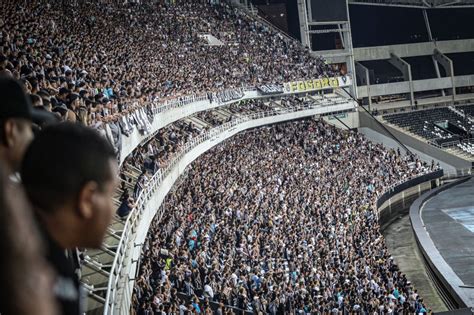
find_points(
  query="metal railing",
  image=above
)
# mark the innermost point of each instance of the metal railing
(210, 99)
(125, 244)
(458, 173)
(406, 183)
(130, 225)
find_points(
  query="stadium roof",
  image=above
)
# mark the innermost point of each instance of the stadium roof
(419, 3)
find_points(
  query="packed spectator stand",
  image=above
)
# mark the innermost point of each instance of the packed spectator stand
(78, 66)
(154, 155)
(221, 246)
(75, 62)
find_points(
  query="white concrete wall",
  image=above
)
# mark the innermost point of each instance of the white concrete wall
(351, 119)
(390, 143)
(411, 50)
(169, 116)
(428, 102)
(418, 86)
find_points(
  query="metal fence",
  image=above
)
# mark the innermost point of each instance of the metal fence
(413, 181)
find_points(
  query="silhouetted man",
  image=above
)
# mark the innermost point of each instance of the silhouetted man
(70, 175)
(25, 278)
(15, 123)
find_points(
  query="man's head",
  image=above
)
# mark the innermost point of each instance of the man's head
(36, 101)
(69, 173)
(63, 93)
(15, 122)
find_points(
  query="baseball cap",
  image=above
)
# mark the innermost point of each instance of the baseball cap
(14, 103)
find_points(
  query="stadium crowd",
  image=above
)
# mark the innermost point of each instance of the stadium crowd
(156, 154)
(97, 62)
(270, 223)
(267, 223)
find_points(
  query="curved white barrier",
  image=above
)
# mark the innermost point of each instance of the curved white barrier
(174, 111)
(121, 281)
(177, 109)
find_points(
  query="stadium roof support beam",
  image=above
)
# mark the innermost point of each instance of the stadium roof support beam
(430, 36)
(412, 50)
(448, 66)
(418, 6)
(304, 27)
(447, 4)
(405, 68)
(423, 4)
(310, 11)
(363, 76)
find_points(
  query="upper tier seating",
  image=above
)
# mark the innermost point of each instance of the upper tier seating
(102, 60)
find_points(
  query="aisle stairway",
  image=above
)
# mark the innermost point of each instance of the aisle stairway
(98, 262)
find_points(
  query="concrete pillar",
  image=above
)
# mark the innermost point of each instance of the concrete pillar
(350, 47)
(310, 12)
(405, 68)
(362, 74)
(448, 67)
(304, 28)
